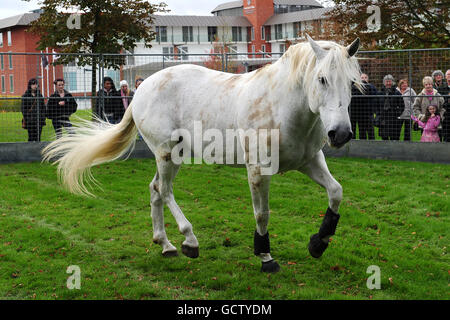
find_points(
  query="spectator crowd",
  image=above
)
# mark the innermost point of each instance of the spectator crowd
(110, 106)
(396, 105)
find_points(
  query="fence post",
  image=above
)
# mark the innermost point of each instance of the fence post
(226, 62)
(223, 61)
(410, 88)
(101, 87)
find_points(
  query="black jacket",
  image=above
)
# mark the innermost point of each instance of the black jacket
(364, 107)
(33, 108)
(112, 105)
(55, 111)
(391, 103)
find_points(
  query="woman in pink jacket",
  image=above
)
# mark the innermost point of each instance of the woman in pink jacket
(430, 125)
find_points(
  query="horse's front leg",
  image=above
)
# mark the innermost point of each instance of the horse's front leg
(259, 188)
(318, 171)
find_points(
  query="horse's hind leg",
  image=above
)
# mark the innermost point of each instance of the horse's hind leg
(259, 188)
(167, 171)
(318, 171)
(159, 231)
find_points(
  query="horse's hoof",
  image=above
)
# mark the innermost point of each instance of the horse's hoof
(189, 251)
(316, 246)
(170, 254)
(270, 267)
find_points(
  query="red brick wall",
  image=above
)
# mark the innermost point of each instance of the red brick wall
(258, 12)
(25, 67)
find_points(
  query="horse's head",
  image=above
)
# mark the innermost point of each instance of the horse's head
(329, 87)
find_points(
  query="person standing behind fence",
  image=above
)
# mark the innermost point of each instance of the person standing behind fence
(408, 98)
(429, 124)
(112, 108)
(125, 94)
(389, 110)
(137, 83)
(362, 109)
(428, 97)
(61, 105)
(33, 111)
(445, 92)
(438, 79)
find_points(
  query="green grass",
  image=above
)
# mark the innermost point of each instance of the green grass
(11, 126)
(394, 215)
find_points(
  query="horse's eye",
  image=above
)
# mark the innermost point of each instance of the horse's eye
(323, 81)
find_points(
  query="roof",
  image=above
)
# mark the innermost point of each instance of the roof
(20, 20)
(305, 15)
(202, 21)
(238, 4)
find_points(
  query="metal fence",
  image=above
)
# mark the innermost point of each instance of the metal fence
(24, 117)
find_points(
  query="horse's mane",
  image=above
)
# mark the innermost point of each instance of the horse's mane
(302, 61)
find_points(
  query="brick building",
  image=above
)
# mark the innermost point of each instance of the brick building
(16, 70)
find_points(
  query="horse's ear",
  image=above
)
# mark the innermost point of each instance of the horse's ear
(353, 48)
(318, 50)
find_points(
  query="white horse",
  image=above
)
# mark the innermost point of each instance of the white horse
(305, 95)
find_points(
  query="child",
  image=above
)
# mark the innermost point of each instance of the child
(430, 125)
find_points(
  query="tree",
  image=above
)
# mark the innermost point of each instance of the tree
(107, 26)
(403, 23)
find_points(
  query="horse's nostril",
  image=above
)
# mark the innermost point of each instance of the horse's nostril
(350, 136)
(332, 134)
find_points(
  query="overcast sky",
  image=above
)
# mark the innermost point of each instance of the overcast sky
(10, 8)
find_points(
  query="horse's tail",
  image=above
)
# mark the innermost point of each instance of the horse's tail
(90, 145)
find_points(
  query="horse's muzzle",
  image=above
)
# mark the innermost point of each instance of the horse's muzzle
(339, 137)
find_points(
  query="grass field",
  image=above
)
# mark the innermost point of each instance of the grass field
(394, 215)
(11, 126)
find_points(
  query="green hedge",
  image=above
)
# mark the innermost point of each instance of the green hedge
(10, 105)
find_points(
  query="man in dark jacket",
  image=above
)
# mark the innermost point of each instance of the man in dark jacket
(363, 108)
(61, 105)
(33, 111)
(109, 103)
(389, 110)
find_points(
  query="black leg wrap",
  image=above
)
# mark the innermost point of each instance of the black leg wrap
(270, 267)
(316, 245)
(329, 224)
(261, 243)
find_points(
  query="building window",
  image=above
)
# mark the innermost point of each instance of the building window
(263, 48)
(184, 53)
(167, 50)
(212, 34)
(10, 61)
(3, 85)
(252, 36)
(278, 31)
(161, 34)
(71, 80)
(188, 34)
(297, 29)
(282, 48)
(9, 38)
(263, 33)
(1, 39)
(11, 83)
(237, 34)
(2, 63)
